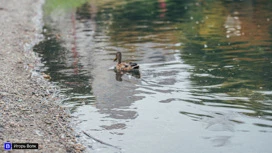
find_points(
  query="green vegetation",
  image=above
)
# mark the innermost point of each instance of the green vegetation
(52, 5)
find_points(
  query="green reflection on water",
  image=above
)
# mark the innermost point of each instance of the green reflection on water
(229, 55)
(237, 61)
(229, 43)
(53, 5)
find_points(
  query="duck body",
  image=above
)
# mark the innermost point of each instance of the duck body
(122, 66)
(127, 66)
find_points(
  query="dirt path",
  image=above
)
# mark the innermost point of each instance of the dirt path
(28, 110)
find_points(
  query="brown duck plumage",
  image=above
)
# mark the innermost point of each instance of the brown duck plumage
(122, 66)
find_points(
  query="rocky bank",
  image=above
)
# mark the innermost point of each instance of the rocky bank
(28, 102)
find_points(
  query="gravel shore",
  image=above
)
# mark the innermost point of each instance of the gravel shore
(28, 109)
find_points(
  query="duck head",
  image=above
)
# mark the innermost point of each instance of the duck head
(118, 57)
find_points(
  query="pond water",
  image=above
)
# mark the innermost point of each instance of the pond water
(205, 76)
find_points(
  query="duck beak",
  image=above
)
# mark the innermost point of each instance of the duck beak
(115, 59)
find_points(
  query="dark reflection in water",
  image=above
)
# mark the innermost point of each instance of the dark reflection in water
(205, 73)
(65, 68)
(119, 74)
(55, 59)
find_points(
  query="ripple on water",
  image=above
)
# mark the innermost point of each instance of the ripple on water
(204, 74)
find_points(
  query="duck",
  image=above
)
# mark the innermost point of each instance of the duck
(122, 66)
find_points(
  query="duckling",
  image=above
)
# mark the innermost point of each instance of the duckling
(122, 66)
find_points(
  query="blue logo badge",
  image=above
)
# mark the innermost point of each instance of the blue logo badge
(7, 145)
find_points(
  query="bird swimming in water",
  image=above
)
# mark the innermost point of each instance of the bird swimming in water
(122, 66)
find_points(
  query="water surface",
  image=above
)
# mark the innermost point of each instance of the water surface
(205, 73)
